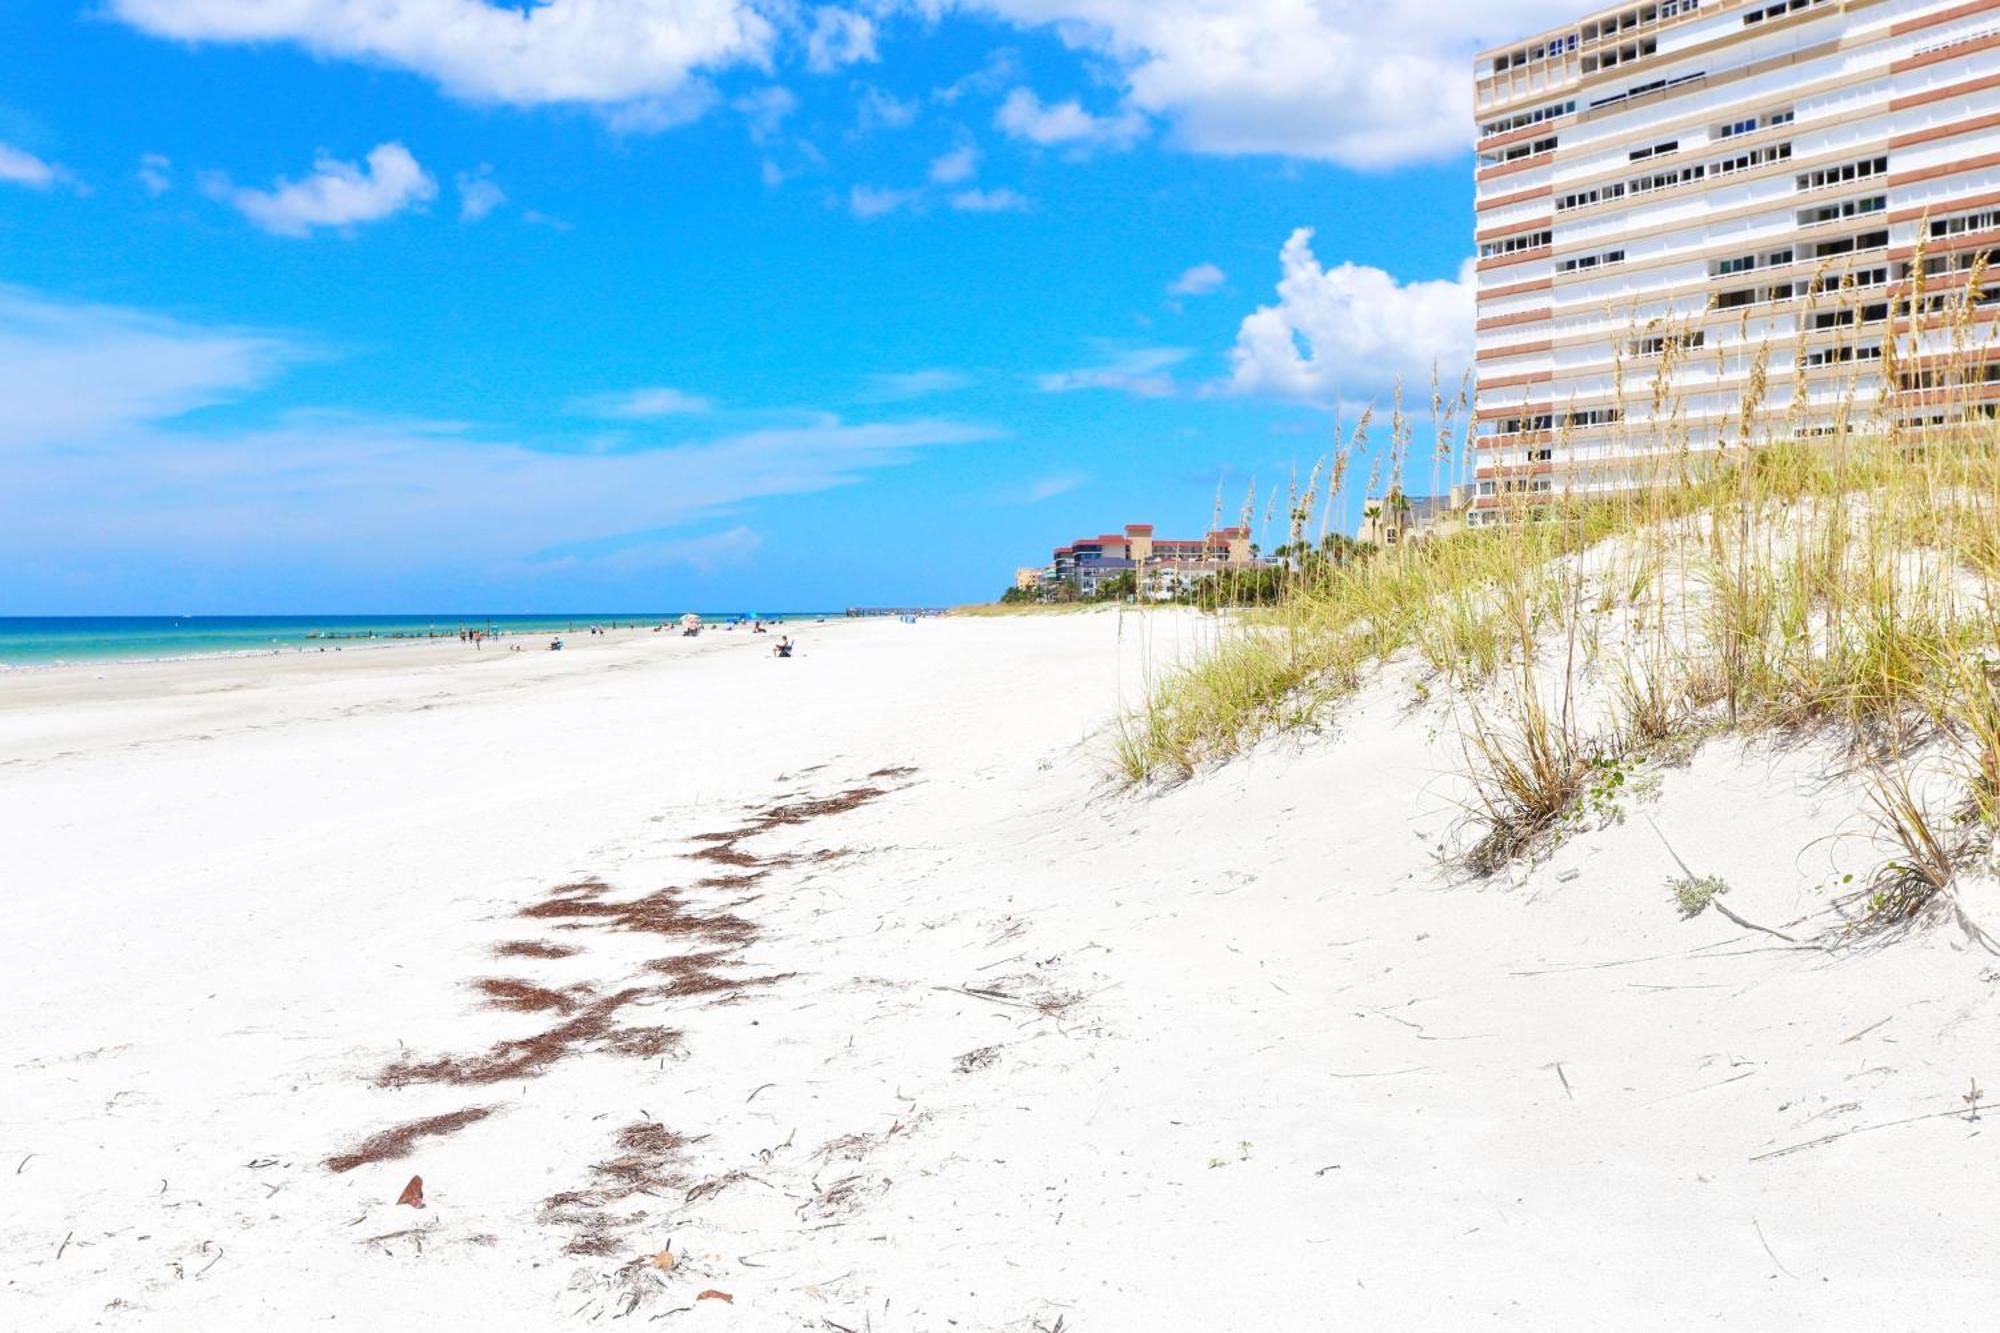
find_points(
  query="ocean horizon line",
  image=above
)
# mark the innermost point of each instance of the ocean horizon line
(30, 641)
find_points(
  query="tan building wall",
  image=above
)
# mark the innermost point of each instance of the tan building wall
(1678, 183)
(1385, 522)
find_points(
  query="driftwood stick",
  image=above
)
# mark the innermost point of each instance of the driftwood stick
(1768, 1250)
(1858, 1129)
(1716, 903)
(993, 995)
(1865, 1031)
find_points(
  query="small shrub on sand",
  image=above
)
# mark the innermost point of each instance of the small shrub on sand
(1692, 893)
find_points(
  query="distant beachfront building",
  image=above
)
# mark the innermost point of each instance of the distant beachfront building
(1740, 190)
(1395, 518)
(1161, 567)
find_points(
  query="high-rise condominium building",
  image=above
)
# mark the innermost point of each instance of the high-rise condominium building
(1737, 190)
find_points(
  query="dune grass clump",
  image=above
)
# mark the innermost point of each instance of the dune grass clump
(1823, 558)
(1927, 855)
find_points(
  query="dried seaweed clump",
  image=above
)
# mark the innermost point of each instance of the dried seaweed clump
(395, 1144)
(594, 1029)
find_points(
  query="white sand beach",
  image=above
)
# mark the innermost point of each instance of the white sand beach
(856, 984)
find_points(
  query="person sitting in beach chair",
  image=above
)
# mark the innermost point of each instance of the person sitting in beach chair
(783, 647)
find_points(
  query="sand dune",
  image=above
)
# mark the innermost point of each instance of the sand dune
(853, 985)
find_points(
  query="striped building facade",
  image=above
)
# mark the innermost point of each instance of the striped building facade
(1735, 189)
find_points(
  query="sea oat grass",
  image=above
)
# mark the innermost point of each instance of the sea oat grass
(1843, 578)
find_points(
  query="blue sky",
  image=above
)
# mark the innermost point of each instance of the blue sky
(404, 305)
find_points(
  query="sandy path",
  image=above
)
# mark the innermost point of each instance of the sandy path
(1018, 1053)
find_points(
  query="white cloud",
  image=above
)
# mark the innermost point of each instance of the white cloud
(337, 194)
(878, 110)
(1002, 200)
(960, 164)
(478, 194)
(764, 110)
(1352, 329)
(1352, 81)
(156, 174)
(70, 372)
(666, 111)
(639, 404)
(640, 552)
(1050, 487)
(1197, 281)
(1002, 67)
(100, 482)
(772, 174)
(838, 37)
(348, 499)
(19, 167)
(1141, 372)
(892, 386)
(1025, 116)
(869, 201)
(594, 51)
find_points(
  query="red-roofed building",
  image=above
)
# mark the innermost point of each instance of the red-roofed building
(1161, 566)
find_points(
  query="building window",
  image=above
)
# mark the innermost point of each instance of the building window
(1771, 13)
(1641, 89)
(1524, 119)
(1620, 55)
(1982, 221)
(1750, 125)
(1591, 416)
(1510, 245)
(1842, 174)
(1834, 356)
(1517, 152)
(1834, 319)
(1867, 240)
(1846, 208)
(1579, 263)
(1660, 343)
(1756, 157)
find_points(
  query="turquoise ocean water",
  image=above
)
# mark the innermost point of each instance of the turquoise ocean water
(40, 640)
